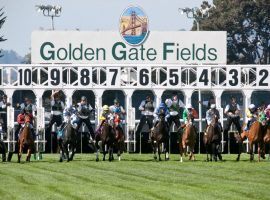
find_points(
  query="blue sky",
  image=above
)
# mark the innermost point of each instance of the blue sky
(86, 15)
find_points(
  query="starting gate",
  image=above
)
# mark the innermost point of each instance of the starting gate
(129, 78)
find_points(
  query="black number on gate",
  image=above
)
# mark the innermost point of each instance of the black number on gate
(115, 71)
(264, 74)
(26, 76)
(85, 79)
(1, 77)
(234, 82)
(204, 77)
(55, 76)
(144, 77)
(173, 79)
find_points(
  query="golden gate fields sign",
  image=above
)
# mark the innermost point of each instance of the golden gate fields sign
(107, 47)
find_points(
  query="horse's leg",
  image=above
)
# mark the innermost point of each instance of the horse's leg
(181, 151)
(104, 151)
(259, 152)
(110, 151)
(166, 150)
(97, 150)
(20, 152)
(159, 152)
(251, 151)
(66, 151)
(154, 149)
(28, 154)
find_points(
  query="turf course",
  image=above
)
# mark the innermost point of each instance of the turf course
(135, 177)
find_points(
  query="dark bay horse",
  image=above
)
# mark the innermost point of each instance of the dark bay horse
(105, 140)
(119, 137)
(212, 139)
(159, 135)
(67, 143)
(188, 139)
(25, 140)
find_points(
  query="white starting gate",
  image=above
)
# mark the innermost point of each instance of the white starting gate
(129, 78)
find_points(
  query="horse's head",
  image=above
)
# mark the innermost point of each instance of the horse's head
(162, 114)
(214, 120)
(190, 118)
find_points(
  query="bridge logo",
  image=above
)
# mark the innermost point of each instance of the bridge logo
(134, 25)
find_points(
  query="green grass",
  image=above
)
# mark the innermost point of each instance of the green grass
(135, 177)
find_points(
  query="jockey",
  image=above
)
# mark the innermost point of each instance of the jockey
(117, 111)
(267, 112)
(174, 104)
(26, 117)
(147, 108)
(251, 114)
(57, 107)
(105, 115)
(28, 103)
(69, 113)
(162, 109)
(210, 115)
(189, 111)
(3, 112)
(84, 111)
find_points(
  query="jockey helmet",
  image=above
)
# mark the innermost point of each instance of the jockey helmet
(213, 106)
(116, 101)
(168, 102)
(162, 105)
(189, 106)
(83, 98)
(105, 107)
(268, 107)
(251, 106)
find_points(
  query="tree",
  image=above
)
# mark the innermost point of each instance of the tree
(247, 23)
(2, 21)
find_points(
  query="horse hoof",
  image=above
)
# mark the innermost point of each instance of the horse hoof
(60, 160)
(97, 159)
(155, 157)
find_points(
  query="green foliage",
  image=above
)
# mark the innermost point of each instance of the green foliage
(247, 23)
(135, 177)
(2, 21)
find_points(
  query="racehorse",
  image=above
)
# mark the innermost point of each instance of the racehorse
(212, 140)
(25, 140)
(119, 136)
(188, 139)
(105, 140)
(255, 136)
(67, 142)
(159, 135)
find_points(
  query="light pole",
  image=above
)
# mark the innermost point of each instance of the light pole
(50, 11)
(197, 13)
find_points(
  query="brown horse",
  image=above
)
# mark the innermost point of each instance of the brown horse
(159, 135)
(255, 136)
(212, 139)
(119, 136)
(25, 140)
(188, 139)
(105, 140)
